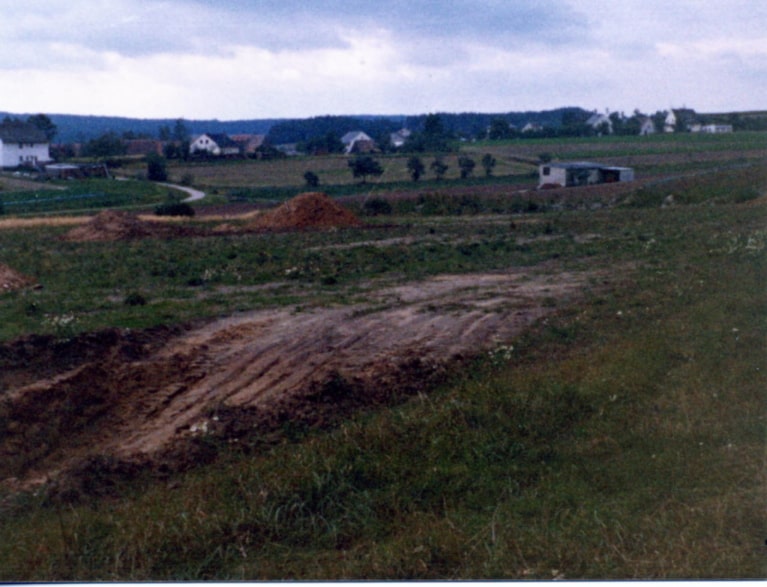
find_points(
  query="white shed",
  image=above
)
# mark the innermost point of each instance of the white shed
(579, 173)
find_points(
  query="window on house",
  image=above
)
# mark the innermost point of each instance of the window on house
(547, 171)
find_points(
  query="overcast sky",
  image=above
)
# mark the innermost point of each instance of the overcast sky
(241, 59)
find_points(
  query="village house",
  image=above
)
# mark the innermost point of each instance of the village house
(358, 142)
(580, 173)
(22, 143)
(600, 123)
(669, 125)
(715, 128)
(532, 127)
(216, 144)
(249, 144)
(646, 126)
(399, 138)
(142, 147)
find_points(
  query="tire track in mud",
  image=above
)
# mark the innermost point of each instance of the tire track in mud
(270, 365)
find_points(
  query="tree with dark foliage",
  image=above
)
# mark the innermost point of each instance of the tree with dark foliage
(364, 165)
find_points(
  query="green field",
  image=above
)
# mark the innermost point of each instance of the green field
(620, 438)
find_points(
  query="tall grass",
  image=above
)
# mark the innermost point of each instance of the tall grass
(621, 439)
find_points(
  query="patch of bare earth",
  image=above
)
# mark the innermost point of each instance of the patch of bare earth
(11, 279)
(113, 225)
(146, 400)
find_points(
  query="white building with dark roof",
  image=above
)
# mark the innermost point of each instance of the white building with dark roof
(358, 142)
(579, 173)
(216, 144)
(22, 143)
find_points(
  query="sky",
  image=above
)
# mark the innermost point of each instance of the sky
(246, 59)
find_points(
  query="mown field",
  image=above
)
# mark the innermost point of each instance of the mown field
(621, 438)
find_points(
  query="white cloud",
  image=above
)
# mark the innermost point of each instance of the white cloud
(272, 58)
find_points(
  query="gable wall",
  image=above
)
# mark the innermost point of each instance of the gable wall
(14, 154)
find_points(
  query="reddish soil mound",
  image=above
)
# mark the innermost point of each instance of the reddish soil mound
(111, 225)
(11, 280)
(310, 210)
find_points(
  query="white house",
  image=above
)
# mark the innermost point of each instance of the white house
(669, 125)
(646, 126)
(578, 173)
(399, 138)
(358, 142)
(532, 127)
(601, 123)
(22, 143)
(219, 145)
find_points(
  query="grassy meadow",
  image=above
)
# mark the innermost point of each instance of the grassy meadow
(621, 438)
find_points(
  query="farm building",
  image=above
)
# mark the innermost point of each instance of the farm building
(22, 143)
(715, 128)
(577, 173)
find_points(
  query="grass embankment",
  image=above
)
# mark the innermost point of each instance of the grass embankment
(623, 438)
(63, 197)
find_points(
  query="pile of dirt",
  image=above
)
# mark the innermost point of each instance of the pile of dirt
(109, 225)
(309, 210)
(112, 225)
(12, 280)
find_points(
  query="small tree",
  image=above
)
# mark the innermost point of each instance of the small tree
(439, 167)
(364, 165)
(467, 165)
(312, 179)
(488, 162)
(415, 167)
(107, 145)
(45, 124)
(156, 169)
(499, 130)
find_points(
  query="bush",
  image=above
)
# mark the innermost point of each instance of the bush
(376, 206)
(156, 169)
(312, 179)
(174, 209)
(134, 299)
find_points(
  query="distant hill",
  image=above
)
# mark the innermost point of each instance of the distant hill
(74, 128)
(464, 124)
(77, 129)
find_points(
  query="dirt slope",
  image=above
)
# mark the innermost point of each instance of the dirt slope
(139, 400)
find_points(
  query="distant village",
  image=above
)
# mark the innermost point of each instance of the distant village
(31, 143)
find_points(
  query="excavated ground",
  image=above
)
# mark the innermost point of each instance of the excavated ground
(127, 401)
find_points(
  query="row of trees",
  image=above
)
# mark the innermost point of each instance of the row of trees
(365, 166)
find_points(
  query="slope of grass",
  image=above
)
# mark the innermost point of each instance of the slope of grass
(623, 438)
(78, 195)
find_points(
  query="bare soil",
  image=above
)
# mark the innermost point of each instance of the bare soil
(309, 210)
(11, 280)
(156, 400)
